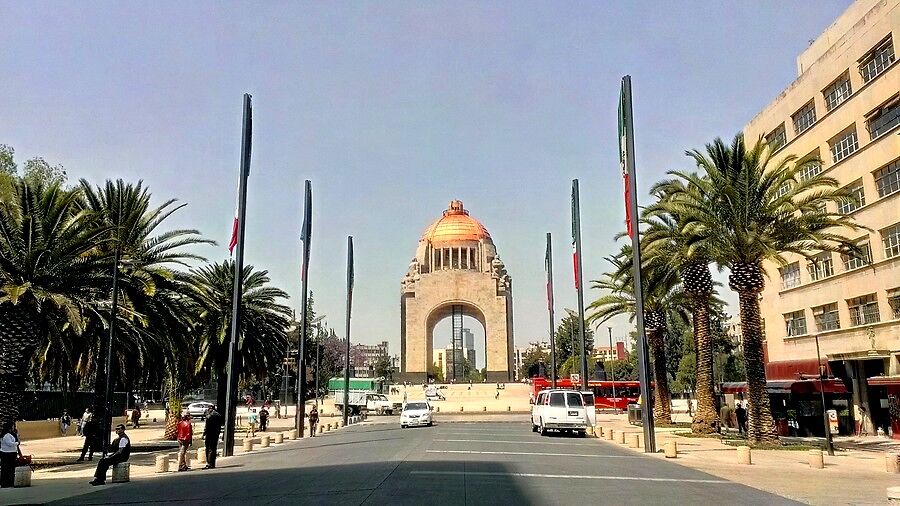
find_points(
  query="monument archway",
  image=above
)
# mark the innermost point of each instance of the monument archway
(456, 271)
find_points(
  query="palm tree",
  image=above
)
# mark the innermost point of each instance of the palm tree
(49, 264)
(748, 208)
(264, 322)
(669, 240)
(662, 297)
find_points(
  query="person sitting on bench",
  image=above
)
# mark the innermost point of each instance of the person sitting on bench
(123, 450)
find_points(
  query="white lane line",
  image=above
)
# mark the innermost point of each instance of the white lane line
(568, 476)
(506, 434)
(505, 442)
(544, 454)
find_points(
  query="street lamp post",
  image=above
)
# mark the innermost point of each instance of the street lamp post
(107, 415)
(829, 444)
(612, 370)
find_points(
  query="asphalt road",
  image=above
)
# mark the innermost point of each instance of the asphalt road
(450, 463)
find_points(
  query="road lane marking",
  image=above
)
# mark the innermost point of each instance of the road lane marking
(479, 434)
(507, 442)
(569, 476)
(544, 454)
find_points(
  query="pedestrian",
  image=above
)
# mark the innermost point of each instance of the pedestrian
(211, 430)
(313, 420)
(89, 430)
(185, 433)
(263, 419)
(122, 444)
(277, 408)
(84, 419)
(725, 417)
(252, 419)
(136, 417)
(64, 422)
(9, 453)
(741, 415)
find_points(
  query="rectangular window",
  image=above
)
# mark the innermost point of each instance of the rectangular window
(837, 92)
(809, 170)
(783, 189)
(891, 239)
(863, 310)
(805, 117)
(884, 119)
(861, 260)
(827, 317)
(877, 60)
(857, 198)
(777, 138)
(893, 297)
(795, 323)
(887, 178)
(844, 145)
(790, 275)
(821, 266)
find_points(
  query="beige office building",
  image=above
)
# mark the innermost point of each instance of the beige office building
(844, 108)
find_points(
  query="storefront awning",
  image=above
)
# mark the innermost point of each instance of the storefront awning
(805, 386)
(880, 381)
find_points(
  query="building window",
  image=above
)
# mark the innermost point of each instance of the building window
(891, 238)
(859, 260)
(844, 145)
(893, 297)
(805, 117)
(827, 317)
(863, 310)
(795, 323)
(877, 60)
(884, 118)
(857, 198)
(777, 138)
(887, 178)
(783, 189)
(809, 170)
(790, 275)
(837, 92)
(821, 266)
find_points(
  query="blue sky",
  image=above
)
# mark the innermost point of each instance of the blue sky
(391, 109)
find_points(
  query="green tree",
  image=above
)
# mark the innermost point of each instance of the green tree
(37, 170)
(534, 354)
(383, 367)
(568, 343)
(7, 160)
(747, 208)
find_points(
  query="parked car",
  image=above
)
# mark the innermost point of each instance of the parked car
(198, 409)
(561, 410)
(360, 401)
(416, 413)
(536, 407)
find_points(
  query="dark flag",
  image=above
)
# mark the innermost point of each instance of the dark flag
(623, 161)
(306, 230)
(575, 224)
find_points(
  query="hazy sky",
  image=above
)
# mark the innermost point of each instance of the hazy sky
(391, 109)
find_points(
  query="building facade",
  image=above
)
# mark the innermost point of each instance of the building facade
(844, 109)
(445, 363)
(365, 356)
(606, 354)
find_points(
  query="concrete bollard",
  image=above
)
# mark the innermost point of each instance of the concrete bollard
(892, 462)
(461, 409)
(608, 434)
(483, 408)
(201, 455)
(321, 429)
(589, 431)
(294, 433)
(620, 437)
(816, 459)
(162, 463)
(279, 438)
(437, 409)
(634, 441)
(671, 449)
(121, 472)
(508, 408)
(328, 428)
(248, 445)
(23, 477)
(743, 455)
(264, 441)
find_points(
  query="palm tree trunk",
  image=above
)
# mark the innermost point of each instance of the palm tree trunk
(174, 395)
(705, 419)
(662, 408)
(19, 335)
(760, 424)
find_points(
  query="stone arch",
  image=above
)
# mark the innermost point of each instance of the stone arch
(444, 310)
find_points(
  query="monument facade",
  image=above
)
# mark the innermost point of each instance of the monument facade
(456, 272)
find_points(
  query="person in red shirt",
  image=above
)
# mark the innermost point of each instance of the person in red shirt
(185, 438)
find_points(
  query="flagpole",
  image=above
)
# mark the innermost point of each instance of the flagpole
(549, 264)
(349, 306)
(627, 125)
(306, 232)
(233, 358)
(579, 284)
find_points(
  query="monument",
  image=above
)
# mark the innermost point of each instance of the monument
(456, 272)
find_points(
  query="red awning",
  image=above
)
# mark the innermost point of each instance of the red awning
(881, 381)
(808, 386)
(795, 369)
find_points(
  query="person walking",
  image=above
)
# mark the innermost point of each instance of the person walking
(263, 419)
(90, 433)
(252, 420)
(64, 422)
(185, 432)
(122, 444)
(741, 415)
(136, 417)
(313, 420)
(86, 417)
(9, 453)
(211, 431)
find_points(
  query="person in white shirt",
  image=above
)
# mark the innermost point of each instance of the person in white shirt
(122, 445)
(9, 452)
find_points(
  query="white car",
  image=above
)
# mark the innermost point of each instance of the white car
(416, 413)
(561, 410)
(198, 409)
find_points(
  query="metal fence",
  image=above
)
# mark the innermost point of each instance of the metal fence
(43, 405)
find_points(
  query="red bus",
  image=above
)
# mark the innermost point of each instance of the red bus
(627, 392)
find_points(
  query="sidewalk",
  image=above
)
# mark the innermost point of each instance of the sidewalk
(852, 476)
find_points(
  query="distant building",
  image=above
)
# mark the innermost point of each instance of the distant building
(364, 357)
(468, 339)
(734, 333)
(605, 353)
(443, 361)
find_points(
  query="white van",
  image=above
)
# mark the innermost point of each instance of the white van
(561, 410)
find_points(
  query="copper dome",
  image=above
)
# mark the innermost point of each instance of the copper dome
(454, 226)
